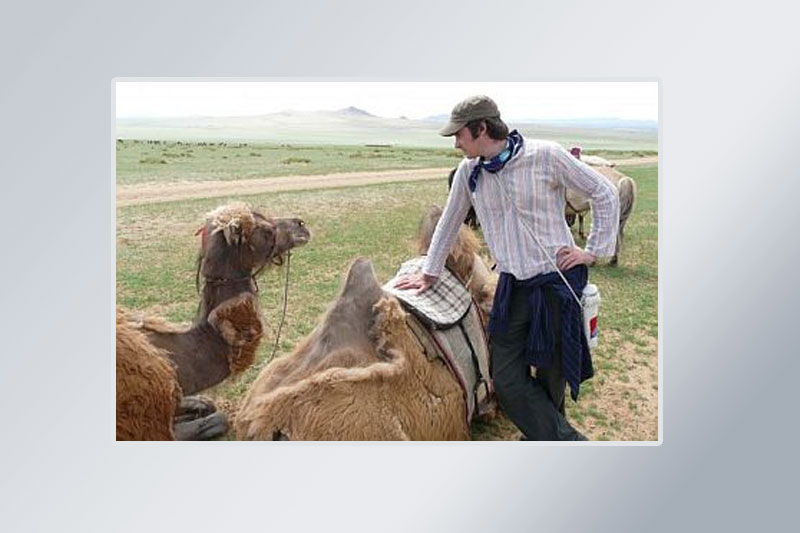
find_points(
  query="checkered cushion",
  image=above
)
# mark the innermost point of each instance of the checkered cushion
(442, 305)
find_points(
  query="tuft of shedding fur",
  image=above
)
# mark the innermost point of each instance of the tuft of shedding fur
(239, 323)
(147, 387)
(234, 220)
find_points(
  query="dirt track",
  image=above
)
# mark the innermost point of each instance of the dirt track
(151, 193)
(168, 192)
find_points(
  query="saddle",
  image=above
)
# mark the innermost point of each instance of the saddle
(446, 321)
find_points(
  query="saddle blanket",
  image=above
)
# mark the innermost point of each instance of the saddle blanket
(448, 326)
(442, 306)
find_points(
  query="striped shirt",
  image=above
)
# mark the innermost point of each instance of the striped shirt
(535, 180)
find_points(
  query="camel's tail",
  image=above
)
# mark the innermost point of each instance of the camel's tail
(627, 198)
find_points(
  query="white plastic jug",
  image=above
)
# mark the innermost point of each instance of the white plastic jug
(591, 309)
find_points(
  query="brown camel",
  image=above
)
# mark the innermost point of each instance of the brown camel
(578, 203)
(159, 365)
(362, 374)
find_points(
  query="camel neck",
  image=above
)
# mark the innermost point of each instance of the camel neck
(215, 292)
(200, 356)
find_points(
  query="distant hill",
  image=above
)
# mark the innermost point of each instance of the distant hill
(354, 112)
(352, 125)
(437, 118)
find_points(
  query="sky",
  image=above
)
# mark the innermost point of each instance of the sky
(414, 100)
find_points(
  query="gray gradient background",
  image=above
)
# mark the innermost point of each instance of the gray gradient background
(729, 185)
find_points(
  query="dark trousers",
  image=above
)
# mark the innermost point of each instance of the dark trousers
(534, 404)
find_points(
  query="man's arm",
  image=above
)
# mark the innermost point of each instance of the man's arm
(605, 201)
(458, 204)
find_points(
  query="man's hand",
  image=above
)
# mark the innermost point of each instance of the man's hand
(567, 258)
(421, 282)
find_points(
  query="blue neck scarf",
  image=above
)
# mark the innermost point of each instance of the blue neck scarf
(513, 146)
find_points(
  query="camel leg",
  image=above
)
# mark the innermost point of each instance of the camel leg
(613, 261)
(280, 435)
(194, 407)
(580, 226)
(206, 428)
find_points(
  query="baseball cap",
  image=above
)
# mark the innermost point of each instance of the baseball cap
(472, 108)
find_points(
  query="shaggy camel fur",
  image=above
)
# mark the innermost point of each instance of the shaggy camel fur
(362, 374)
(237, 244)
(147, 387)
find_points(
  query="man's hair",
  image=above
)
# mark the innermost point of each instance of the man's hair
(495, 128)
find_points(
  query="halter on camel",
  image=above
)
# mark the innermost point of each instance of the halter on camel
(203, 232)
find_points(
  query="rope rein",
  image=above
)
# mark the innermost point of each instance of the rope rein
(283, 314)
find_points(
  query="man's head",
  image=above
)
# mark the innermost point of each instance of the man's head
(476, 125)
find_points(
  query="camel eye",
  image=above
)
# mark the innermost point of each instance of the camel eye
(301, 223)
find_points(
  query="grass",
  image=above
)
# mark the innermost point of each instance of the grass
(140, 161)
(176, 161)
(156, 252)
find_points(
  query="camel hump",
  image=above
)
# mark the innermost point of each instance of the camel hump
(361, 282)
(350, 315)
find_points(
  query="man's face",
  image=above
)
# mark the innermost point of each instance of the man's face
(465, 143)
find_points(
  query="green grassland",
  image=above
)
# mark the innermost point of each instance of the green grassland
(156, 252)
(174, 161)
(141, 161)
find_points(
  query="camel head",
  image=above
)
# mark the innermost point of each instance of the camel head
(238, 241)
(463, 260)
(466, 246)
(289, 233)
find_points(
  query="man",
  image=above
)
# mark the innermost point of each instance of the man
(517, 187)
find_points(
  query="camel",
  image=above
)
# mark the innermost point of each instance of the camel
(160, 365)
(578, 203)
(362, 374)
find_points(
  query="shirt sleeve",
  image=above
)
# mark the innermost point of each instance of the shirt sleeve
(605, 201)
(458, 204)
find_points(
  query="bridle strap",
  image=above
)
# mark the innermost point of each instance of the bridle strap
(283, 314)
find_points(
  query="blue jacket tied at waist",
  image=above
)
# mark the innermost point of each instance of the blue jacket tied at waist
(576, 358)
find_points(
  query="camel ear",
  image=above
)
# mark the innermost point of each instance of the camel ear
(262, 241)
